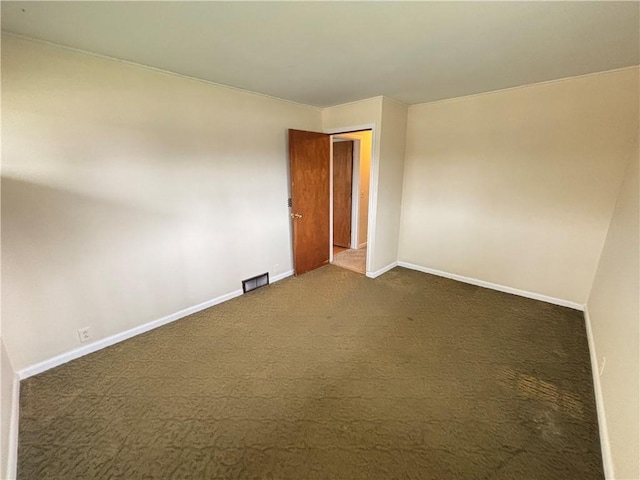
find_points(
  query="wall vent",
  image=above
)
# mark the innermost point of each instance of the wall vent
(255, 282)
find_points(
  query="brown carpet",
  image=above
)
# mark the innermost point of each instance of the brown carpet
(330, 375)
(355, 260)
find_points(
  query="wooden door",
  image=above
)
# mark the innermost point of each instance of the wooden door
(342, 183)
(309, 155)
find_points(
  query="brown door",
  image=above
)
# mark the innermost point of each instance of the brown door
(309, 164)
(342, 181)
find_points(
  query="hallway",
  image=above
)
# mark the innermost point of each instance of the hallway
(354, 260)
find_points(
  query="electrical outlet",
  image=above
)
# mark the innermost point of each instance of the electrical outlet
(84, 334)
(276, 268)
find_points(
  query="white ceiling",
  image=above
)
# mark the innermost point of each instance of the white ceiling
(328, 53)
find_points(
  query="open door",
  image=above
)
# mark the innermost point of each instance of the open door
(342, 186)
(309, 156)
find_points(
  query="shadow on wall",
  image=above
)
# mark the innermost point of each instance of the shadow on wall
(70, 261)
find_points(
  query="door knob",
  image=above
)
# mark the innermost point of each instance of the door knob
(296, 215)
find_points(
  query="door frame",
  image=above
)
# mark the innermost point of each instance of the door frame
(373, 191)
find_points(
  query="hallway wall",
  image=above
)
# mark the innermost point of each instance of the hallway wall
(365, 139)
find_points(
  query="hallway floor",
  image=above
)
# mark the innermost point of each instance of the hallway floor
(354, 260)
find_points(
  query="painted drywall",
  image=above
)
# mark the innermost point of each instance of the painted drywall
(390, 180)
(7, 443)
(350, 116)
(365, 140)
(360, 114)
(614, 312)
(130, 194)
(517, 187)
(363, 188)
(388, 118)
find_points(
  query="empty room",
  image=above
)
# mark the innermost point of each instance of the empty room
(320, 240)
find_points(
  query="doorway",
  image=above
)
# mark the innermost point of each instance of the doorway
(311, 196)
(351, 164)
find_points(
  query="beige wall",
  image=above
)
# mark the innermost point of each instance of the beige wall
(392, 154)
(355, 114)
(614, 312)
(389, 120)
(365, 179)
(7, 456)
(129, 194)
(358, 114)
(517, 187)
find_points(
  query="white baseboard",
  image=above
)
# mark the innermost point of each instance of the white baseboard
(377, 273)
(119, 337)
(494, 286)
(605, 446)
(12, 448)
(280, 276)
(362, 245)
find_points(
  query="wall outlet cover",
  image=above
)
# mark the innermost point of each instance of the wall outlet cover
(84, 334)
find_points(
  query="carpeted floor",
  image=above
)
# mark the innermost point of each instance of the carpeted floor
(330, 375)
(352, 259)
